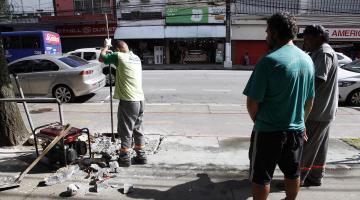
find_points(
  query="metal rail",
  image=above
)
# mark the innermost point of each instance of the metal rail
(38, 100)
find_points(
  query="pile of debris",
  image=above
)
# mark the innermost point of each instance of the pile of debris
(99, 168)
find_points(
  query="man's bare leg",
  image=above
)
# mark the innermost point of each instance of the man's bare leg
(260, 192)
(292, 187)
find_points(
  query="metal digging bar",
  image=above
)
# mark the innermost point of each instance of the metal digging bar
(38, 100)
(110, 85)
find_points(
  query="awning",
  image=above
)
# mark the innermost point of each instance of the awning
(161, 32)
(195, 31)
(139, 32)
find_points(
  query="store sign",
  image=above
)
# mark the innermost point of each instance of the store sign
(51, 38)
(344, 33)
(341, 33)
(85, 30)
(199, 15)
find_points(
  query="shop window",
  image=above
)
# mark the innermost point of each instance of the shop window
(92, 6)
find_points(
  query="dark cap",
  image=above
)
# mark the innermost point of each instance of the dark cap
(315, 30)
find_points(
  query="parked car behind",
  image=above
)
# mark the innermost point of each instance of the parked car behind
(62, 77)
(92, 55)
(349, 83)
(343, 59)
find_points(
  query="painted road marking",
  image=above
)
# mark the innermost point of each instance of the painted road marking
(168, 89)
(213, 90)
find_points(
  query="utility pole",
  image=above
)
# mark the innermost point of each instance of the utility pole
(228, 62)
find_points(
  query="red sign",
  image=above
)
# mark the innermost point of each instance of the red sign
(341, 33)
(51, 38)
(344, 32)
(85, 30)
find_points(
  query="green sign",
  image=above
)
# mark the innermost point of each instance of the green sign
(199, 15)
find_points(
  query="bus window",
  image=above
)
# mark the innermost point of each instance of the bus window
(30, 42)
(12, 42)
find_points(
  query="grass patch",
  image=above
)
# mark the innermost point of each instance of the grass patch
(355, 142)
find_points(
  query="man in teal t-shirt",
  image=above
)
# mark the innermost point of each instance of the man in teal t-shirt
(128, 89)
(279, 94)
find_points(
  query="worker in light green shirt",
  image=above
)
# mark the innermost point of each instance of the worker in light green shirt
(128, 89)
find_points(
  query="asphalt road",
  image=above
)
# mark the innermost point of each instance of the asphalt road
(186, 87)
(191, 103)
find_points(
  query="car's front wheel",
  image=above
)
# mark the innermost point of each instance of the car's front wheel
(354, 98)
(64, 94)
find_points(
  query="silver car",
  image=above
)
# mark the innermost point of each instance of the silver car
(92, 55)
(343, 59)
(62, 77)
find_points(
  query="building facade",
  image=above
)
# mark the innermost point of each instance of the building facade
(81, 23)
(173, 32)
(340, 17)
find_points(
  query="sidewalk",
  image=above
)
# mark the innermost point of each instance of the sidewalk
(186, 168)
(202, 163)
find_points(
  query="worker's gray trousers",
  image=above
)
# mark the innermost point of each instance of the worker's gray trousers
(130, 118)
(315, 150)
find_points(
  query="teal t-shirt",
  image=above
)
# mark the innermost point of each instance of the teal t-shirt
(282, 82)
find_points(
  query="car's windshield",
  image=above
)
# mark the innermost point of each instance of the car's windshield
(73, 61)
(353, 66)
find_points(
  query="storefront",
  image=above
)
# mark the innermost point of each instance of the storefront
(145, 41)
(248, 42)
(195, 44)
(195, 35)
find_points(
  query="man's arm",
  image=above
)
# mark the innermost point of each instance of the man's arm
(252, 107)
(318, 83)
(308, 107)
(103, 53)
(323, 65)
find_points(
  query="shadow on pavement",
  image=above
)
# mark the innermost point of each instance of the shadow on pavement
(347, 160)
(21, 162)
(84, 98)
(202, 188)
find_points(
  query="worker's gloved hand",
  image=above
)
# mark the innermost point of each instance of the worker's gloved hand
(107, 43)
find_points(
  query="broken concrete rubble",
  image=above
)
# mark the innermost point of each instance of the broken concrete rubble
(101, 167)
(72, 189)
(61, 175)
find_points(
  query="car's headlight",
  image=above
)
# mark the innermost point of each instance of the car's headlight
(346, 83)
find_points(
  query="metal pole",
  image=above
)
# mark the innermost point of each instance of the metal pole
(24, 103)
(110, 86)
(61, 113)
(228, 62)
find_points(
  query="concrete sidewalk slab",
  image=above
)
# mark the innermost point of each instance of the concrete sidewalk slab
(189, 168)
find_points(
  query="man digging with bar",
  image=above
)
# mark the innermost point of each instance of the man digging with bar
(128, 89)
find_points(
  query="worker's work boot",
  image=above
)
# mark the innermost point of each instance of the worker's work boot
(124, 159)
(140, 157)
